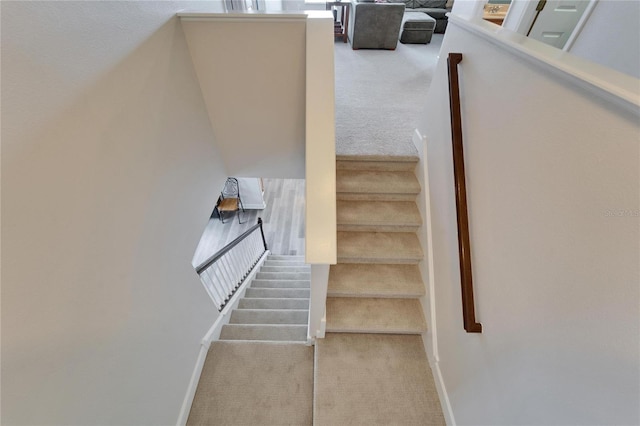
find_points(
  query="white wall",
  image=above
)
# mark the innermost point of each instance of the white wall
(109, 174)
(611, 36)
(468, 8)
(254, 91)
(553, 179)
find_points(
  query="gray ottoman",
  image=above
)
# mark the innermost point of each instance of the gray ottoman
(417, 28)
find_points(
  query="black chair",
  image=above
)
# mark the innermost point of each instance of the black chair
(230, 200)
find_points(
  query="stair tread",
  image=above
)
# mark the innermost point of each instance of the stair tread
(379, 158)
(269, 316)
(284, 263)
(274, 303)
(378, 247)
(379, 164)
(377, 182)
(375, 315)
(353, 212)
(283, 275)
(375, 280)
(285, 268)
(280, 293)
(280, 284)
(270, 332)
(285, 257)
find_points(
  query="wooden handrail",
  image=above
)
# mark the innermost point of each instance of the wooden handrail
(464, 246)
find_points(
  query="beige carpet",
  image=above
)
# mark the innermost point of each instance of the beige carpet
(374, 379)
(255, 384)
(380, 97)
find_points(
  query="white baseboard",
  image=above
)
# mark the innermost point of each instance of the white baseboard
(212, 335)
(429, 339)
(443, 395)
(193, 385)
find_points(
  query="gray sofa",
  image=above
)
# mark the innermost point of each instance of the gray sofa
(377, 25)
(437, 9)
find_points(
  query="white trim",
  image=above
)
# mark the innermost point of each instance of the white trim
(428, 276)
(212, 335)
(613, 86)
(320, 146)
(447, 410)
(317, 302)
(580, 25)
(193, 385)
(248, 16)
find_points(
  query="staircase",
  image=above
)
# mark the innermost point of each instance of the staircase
(275, 307)
(376, 285)
(371, 368)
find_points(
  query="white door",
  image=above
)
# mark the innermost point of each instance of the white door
(557, 20)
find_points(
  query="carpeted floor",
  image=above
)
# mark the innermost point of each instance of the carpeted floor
(379, 94)
(255, 384)
(374, 379)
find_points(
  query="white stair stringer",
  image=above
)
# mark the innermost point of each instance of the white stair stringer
(275, 306)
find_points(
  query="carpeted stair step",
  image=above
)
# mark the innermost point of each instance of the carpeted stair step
(283, 275)
(381, 164)
(265, 333)
(377, 280)
(254, 383)
(278, 293)
(375, 315)
(273, 303)
(376, 216)
(375, 185)
(378, 247)
(280, 284)
(269, 268)
(374, 379)
(269, 316)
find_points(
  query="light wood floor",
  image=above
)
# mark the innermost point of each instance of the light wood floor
(283, 222)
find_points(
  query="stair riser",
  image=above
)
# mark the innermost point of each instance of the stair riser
(358, 196)
(283, 263)
(378, 294)
(381, 166)
(273, 303)
(285, 333)
(283, 276)
(378, 228)
(285, 258)
(373, 315)
(358, 280)
(378, 247)
(286, 269)
(376, 260)
(243, 316)
(377, 182)
(280, 284)
(267, 293)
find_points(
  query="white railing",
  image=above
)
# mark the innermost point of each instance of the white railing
(223, 273)
(321, 233)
